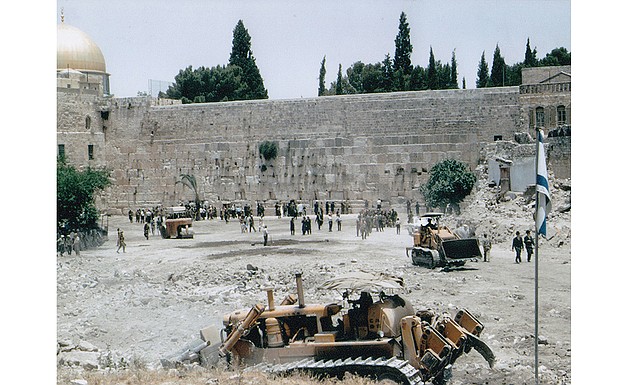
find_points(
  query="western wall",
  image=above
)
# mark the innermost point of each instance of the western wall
(356, 147)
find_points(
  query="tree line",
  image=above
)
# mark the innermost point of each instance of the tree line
(240, 79)
(398, 73)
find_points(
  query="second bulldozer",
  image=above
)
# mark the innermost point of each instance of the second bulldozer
(435, 245)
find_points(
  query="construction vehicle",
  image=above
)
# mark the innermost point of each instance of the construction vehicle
(435, 245)
(177, 224)
(382, 338)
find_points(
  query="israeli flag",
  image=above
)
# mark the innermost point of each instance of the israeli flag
(542, 188)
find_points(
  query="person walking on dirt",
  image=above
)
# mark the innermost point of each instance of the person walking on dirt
(486, 246)
(121, 241)
(528, 241)
(292, 225)
(339, 222)
(265, 236)
(146, 230)
(330, 221)
(517, 245)
(397, 226)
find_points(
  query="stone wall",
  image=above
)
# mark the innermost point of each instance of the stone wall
(356, 147)
(345, 147)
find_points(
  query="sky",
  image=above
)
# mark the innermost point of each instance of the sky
(154, 39)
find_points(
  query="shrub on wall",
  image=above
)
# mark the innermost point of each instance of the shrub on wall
(268, 150)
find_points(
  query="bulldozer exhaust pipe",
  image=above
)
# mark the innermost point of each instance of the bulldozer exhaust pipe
(300, 290)
(270, 302)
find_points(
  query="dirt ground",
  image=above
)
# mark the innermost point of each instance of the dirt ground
(145, 304)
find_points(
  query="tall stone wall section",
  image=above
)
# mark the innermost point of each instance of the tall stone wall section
(340, 147)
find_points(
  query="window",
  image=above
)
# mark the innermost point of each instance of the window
(88, 122)
(90, 152)
(540, 117)
(61, 150)
(561, 115)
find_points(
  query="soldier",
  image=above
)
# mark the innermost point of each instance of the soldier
(529, 244)
(121, 241)
(486, 246)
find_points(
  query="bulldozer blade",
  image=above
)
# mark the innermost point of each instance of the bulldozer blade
(462, 248)
(209, 356)
(482, 348)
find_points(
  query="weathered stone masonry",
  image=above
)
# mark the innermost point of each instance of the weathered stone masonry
(340, 147)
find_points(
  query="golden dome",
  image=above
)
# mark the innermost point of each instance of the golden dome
(76, 50)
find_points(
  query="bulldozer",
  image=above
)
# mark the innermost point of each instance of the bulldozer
(436, 245)
(373, 333)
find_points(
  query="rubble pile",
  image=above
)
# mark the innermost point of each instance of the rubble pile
(500, 216)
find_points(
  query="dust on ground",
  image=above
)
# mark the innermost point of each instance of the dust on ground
(147, 303)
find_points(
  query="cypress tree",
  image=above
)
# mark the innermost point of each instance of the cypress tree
(483, 73)
(432, 72)
(454, 83)
(322, 72)
(498, 69)
(530, 56)
(402, 54)
(387, 81)
(339, 80)
(241, 55)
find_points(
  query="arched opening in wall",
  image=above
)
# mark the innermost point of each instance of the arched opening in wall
(87, 123)
(561, 115)
(540, 117)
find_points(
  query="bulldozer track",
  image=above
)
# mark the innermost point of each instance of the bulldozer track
(378, 368)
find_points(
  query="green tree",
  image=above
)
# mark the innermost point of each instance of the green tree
(498, 69)
(454, 83)
(433, 79)
(483, 73)
(268, 150)
(387, 79)
(241, 55)
(418, 80)
(322, 72)
(402, 54)
(190, 182)
(339, 80)
(450, 181)
(557, 57)
(75, 196)
(530, 56)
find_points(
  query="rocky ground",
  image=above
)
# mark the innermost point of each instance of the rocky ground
(122, 310)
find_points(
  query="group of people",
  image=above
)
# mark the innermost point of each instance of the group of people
(518, 243)
(75, 241)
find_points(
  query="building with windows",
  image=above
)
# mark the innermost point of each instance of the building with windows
(545, 96)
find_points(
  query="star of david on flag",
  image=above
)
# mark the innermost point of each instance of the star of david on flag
(542, 188)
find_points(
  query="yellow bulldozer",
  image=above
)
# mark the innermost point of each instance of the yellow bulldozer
(372, 333)
(436, 245)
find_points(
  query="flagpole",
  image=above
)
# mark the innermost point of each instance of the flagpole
(536, 264)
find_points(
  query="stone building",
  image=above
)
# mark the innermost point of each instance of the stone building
(353, 147)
